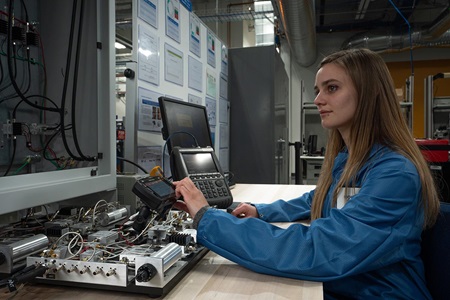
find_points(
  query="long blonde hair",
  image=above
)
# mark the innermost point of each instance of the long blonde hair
(378, 119)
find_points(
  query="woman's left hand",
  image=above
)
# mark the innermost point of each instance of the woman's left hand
(192, 196)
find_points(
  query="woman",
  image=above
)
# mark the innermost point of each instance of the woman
(374, 197)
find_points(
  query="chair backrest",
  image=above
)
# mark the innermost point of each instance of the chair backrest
(436, 255)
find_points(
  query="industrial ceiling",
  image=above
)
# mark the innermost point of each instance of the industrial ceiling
(376, 24)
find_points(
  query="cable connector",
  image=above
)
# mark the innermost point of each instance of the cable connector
(17, 128)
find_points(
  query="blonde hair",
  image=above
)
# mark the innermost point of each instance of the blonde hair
(378, 120)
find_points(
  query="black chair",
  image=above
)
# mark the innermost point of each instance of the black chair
(436, 255)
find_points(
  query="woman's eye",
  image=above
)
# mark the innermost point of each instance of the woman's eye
(332, 88)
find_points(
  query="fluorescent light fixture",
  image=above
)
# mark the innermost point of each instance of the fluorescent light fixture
(119, 46)
(362, 9)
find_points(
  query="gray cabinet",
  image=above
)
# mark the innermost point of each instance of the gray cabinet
(258, 95)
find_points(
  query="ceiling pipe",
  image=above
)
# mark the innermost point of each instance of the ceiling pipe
(440, 27)
(298, 19)
(436, 35)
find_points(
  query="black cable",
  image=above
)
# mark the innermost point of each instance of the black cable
(10, 67)
(29, 71)
(66, 81)
(183, 132)
(47, 144)
(13, 156)
(25, 275)
(1, 71)
(8, 84)
(15, 60)
(16, 55)
(26, 11)
(32, 96)
(43, 97)
(168, 140)
(133, 163)
(74, 86)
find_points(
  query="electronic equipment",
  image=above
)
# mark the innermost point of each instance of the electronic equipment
(184, 124)
(203, 167)
(15, 250)
(156, 192)
(109, 217)
(125, 195)
(110, 254)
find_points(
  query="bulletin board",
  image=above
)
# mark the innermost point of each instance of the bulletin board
(179, 57)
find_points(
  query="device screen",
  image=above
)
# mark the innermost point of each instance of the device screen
(160, 188)
(197, 163)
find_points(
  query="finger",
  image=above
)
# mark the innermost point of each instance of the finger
(240, 204)
(180, 205)
(239, 212)
(189, 184)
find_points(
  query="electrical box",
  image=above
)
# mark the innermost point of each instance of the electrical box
(57, 131)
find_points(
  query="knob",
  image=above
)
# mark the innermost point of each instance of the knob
(145, 273)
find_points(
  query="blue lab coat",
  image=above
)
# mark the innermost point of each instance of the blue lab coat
(369, 248)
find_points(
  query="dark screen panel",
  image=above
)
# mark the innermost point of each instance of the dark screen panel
(180, 119)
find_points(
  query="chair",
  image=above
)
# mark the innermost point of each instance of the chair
(436, 255)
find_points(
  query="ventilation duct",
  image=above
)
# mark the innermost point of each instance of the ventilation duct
(298, 19)
(438, 34)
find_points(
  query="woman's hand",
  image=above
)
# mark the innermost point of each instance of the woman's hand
(245, 210)
(193, 197)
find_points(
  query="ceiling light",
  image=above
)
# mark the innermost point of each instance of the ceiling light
(119, 46)
(362, 9)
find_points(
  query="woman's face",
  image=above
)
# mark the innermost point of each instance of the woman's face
(336, 98)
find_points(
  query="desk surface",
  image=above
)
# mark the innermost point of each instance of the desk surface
(310, 157)
(213, 277)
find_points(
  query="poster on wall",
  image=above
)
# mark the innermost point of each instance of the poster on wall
(195, 36)
(224, 61)
(224, 136)
(211, 110)
(211, 84)
(223, 87)
(173, 19)
(223, 111)
(194, 99)
(149, 113)
(195, 74)
(148, 55)
(187, 4)
(173, 64)
(213, 133)
(211, 51)
(149, 157)
(148, 12)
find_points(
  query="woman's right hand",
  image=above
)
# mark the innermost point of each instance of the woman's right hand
(245, 210)
(192, 196)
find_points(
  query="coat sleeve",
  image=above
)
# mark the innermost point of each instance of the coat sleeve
(287, 211)
(378, 226)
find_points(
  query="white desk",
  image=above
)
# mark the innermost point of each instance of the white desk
(226, 280)
(213, 277)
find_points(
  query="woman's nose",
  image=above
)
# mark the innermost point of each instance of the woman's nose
(318, 99)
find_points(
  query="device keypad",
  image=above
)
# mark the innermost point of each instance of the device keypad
(211, 185)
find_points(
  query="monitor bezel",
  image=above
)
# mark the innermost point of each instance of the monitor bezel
(167, 129)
